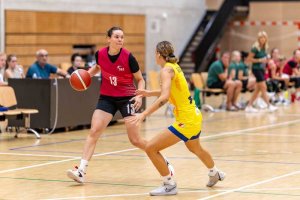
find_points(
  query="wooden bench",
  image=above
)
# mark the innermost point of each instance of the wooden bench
(17, 117)
(199, 81)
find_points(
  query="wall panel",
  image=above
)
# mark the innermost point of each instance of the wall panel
(58, 32)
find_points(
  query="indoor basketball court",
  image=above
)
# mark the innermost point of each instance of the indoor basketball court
(259, 154)
(259, 151)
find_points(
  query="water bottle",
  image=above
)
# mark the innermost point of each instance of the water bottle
(34, 76)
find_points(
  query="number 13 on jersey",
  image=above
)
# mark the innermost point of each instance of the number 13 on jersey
(113, 80)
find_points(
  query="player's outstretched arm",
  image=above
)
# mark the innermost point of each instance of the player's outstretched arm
(148, 93)
(166, 77)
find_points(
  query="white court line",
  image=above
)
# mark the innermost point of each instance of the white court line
(37, 155)
(223, 191)
(54, 162)
(292, 115)
(126, 195)
(273, 189)
(238, 132)
(276, 135)
(180, 192)
(250, 185)
(262, 151)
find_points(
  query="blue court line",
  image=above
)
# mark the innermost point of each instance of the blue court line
(75, 140)
(186, 158)
(62, 142)
(195, 158)
(46, 144)
(256, 161)
(111, 135)
(50, 151)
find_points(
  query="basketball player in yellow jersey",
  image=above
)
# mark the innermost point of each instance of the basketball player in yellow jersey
(187, 126)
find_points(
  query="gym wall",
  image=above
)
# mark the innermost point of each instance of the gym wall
(58, 32)
(278, 19)
(164, 20)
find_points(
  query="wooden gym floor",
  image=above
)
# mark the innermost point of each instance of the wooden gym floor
(259, 152)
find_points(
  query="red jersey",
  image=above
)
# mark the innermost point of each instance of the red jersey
(288, 67)
(117, 79)
(269, 71)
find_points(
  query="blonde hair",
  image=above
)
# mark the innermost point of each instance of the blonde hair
(257, 44)
(234, 54)
(166, 50)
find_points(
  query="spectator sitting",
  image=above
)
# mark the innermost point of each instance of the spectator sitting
(291, 71)
(217, 78)
(2, 68)
(41, 68)
(76, 60)
(13, 70)
(238, 70)
(275, 82)
(90, 59)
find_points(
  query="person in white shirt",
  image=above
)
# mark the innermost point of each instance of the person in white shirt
(2, 68)
(13, 70)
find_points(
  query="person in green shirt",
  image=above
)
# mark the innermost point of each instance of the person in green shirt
(238, 70)
(258, 58)
(218, 78)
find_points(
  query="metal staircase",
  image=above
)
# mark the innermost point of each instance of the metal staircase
(186, 60)
(200, 50)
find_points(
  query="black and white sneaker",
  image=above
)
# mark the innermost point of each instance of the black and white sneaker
(213, 179)
(76, 174)
(164, 190)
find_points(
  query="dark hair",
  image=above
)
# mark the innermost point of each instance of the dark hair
(112, 29)
(272, 51)
(166, 50)
(294, 52)
(9, 57)
(225, 52)
(74, 56)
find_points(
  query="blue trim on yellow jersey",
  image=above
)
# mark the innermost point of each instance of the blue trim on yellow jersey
(196, 136)
(181, 136)
(178, 134)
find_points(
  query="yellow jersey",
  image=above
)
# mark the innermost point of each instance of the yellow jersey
(185, 110)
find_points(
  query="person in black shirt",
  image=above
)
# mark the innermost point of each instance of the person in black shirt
(76, 61)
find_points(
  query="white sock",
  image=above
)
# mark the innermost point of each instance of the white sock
(212, 171)
(281, 98)
(83, 165)
(169, 180)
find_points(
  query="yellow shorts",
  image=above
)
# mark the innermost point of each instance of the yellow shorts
(187, 131)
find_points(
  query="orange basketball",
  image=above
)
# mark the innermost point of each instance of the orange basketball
(80, 80)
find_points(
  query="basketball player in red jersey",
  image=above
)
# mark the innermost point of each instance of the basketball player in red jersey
(118, 69)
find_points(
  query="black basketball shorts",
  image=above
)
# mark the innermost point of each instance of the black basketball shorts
(113, 104)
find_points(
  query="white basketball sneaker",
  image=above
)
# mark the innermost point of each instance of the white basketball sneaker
(164, 190)
(213, 179)
(250, 109)
(76, 175)
(272, 108)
